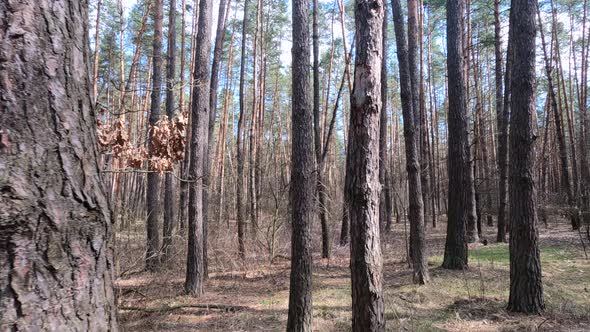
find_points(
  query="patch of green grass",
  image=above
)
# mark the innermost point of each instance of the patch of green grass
(498, 253)
(269, 302)
(495, 253)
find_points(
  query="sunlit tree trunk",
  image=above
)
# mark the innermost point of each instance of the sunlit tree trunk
(56, 256)
(153, 178)
(302, 177)
(199, 139)
(416, 205)
(362, 165)
(170, 87)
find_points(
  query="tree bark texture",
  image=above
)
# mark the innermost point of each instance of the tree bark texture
(526, 289)
(362, 167)
(459, 167)
(55, 222)
(152, 258)
(416, 203)
(199, 137)
(303, 180)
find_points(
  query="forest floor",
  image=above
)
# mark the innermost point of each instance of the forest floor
(256, 292)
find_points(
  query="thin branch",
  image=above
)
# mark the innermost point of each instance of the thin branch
(131, 170)
(224, 307)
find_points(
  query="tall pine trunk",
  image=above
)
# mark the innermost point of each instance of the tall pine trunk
(195, 269)
(302, 177)
(412, 140)
(526, 289)
(362, 161)
(459, 166)
(56, 259)
(152, 258)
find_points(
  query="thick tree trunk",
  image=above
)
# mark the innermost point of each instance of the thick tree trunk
(152, 258)
(199, 140)
(413, 58)
(302, 175)
(526, 289)
(56, 256)
(459, 166)
(416, 204)
(170, 77)
(362, 165)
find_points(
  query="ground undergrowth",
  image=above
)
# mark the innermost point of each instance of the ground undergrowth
(253, 295)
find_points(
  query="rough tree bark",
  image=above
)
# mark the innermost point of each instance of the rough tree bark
(458, 143)
(416, 204)
(362, 167)
(526, 289)
(56, 258)
(413, 68)
(152, 257)
(199, 137)
(302, 175)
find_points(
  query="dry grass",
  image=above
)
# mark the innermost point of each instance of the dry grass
(472, 300)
